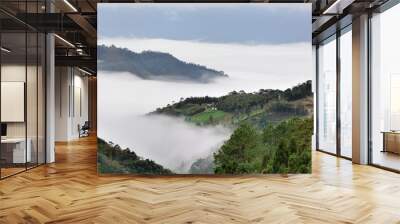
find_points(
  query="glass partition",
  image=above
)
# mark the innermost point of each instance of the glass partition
(31, 99)
(327, 95)
(22, 101)
(14, 155)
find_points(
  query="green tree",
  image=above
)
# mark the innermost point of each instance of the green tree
(281, 159)
(113, 159)
(233, 152)
(211, 119)
(292, 146)
(268, 134)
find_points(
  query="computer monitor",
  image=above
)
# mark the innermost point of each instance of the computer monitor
(3, 129)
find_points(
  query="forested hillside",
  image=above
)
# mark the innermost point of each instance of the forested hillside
(113, 159)
(258, 109)
(282, 148)
(272, 130)
(153, 65)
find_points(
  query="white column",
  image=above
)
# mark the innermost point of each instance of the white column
(50, 99)
(360, 89)
(62, 103)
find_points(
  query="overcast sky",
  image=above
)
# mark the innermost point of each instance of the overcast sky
(254, 23)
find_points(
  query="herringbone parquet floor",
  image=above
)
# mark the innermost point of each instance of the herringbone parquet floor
(70, 191)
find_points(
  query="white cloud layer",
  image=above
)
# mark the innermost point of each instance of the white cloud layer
(277, 66)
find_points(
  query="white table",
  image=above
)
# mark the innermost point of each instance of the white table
(19, 153)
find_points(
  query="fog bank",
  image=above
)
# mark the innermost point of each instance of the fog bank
(168, 141)
(278, 66)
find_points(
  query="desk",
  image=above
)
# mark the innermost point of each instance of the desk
(13, 150)
(391, 141)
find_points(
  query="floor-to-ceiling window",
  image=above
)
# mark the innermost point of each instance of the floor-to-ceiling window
(385, 89)
(334, 95)
(327, 95)
(22, 89)
(345, 92)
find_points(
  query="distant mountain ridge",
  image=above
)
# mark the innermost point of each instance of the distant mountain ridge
(153, 65)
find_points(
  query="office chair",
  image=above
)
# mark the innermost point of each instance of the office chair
(84, 130)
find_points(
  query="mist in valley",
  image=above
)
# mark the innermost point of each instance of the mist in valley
(124, 99)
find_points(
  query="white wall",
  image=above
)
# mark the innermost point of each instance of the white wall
(33, 126)
(10, 73)
(62, 81)
(81, 103)
(71, 93)
(17, 73)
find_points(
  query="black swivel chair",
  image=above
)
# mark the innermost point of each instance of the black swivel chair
(84, 130)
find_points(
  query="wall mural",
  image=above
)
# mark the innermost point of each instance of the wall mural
(204, 88)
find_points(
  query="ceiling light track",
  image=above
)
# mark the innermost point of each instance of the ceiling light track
(70, 6)
(5, 50)
(337, 7)
(65, 41)
(85, 72)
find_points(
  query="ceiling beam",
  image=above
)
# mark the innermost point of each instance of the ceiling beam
(337, 7)
(49, 22)
(78, 61)
(88, 29)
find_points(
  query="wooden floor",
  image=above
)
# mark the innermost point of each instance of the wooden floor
(5, 172)
(387, 159)
(70, 191)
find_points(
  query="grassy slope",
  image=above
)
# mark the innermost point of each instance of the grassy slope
(207, 116)
(259, 117)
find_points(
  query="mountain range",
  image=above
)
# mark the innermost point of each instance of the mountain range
(153, 65)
